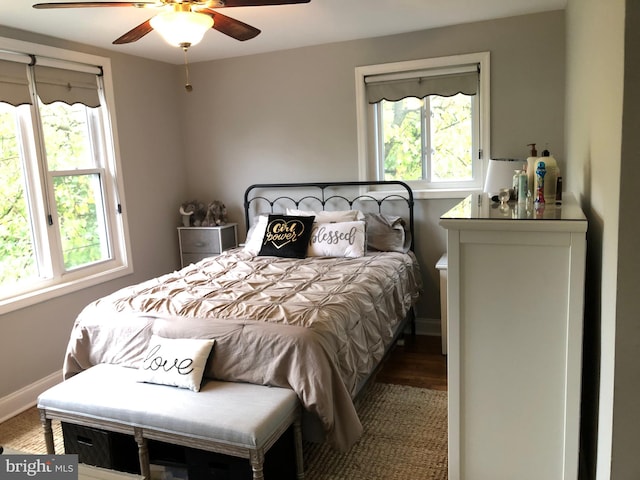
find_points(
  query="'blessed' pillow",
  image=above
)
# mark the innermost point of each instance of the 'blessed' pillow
(179, 362)
(344, 239)
(286, 236)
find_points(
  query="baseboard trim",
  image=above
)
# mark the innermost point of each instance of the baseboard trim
(428, 326)
(25, 398)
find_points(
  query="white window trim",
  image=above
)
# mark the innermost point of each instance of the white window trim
(122, 265)
(362, 113)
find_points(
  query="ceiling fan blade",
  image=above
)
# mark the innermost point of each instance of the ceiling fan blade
(134, 34)
(94, 4)
(258, 3)
(230, 26)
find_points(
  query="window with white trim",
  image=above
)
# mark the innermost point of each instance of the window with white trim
(425, 122)
(62, 225)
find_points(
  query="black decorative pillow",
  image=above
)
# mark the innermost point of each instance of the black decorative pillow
(287, 236)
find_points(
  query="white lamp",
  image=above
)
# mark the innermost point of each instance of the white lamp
(182, 28)
(500, 174)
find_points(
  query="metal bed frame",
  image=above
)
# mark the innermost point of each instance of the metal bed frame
(330, 196)
(369, 196)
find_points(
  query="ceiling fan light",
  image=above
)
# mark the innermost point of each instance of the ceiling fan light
(182, 28)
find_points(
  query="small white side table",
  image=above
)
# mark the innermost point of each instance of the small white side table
(442, 267)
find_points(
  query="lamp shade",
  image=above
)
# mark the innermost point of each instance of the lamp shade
(500, 174)
(182, 29)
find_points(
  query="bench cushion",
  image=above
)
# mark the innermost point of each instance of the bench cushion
(239, 414)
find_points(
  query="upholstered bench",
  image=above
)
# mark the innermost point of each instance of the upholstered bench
(238, 419)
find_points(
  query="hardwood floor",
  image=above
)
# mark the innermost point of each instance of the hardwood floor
(417, 363)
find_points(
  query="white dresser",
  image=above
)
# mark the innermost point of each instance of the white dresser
(515, 312)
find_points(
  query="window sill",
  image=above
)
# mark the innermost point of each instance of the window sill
(26, 299)
(427, 194)
(445, 193)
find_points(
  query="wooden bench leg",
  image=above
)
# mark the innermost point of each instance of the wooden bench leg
(48, 432)
(257, 464)
(297, 438)
(143, 453)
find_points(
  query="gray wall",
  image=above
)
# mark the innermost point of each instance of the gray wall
(626, 413)
(286, 116)
(603, 111)
(290, 116)
(147, 94)
(595, 36)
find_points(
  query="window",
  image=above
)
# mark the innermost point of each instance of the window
(425, 122)
(62, 224)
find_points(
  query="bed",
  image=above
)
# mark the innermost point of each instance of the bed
(319, 324)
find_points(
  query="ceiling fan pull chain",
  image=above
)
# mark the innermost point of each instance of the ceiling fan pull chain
(187, 86)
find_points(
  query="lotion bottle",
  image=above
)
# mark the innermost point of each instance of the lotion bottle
(551, 176)
(531, 168)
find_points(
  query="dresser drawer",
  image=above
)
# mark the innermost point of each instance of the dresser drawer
(200, 241)
(197, 243)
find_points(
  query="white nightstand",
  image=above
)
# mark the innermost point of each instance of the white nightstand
(197, 243)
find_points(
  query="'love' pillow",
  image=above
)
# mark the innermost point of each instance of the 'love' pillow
(179, 362)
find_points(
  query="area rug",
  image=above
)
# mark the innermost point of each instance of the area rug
(23, 433)
(405, 438)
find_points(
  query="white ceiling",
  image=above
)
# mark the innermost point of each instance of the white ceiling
(283, 27)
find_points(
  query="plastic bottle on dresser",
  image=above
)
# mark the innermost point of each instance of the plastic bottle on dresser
(541, 172)
(516, 176)
(531, 167)
(551, 177)
(523, 187)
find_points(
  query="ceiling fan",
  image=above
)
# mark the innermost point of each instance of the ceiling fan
(182, 23)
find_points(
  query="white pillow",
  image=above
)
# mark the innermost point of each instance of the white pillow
(179, 362)
(255, 235)
(326, 216)
(344, 239)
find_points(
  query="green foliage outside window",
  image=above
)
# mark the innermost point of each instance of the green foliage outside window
(78, 196)
(66, 136)
(402, 127)
(17, 253)
(441, 141)
(78, 215)
(451, 137)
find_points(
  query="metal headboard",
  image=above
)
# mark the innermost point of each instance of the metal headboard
(275, 197)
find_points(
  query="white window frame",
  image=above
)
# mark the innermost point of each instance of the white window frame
(368, 165)
(120, 263)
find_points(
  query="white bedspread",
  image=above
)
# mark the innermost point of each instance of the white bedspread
(316, 325)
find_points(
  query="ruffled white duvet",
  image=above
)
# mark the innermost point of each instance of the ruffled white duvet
(317, 325)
